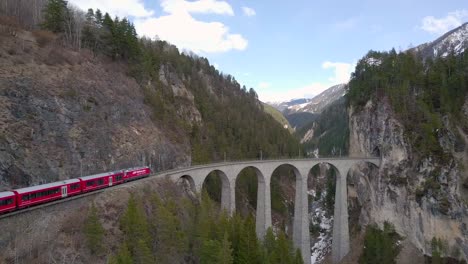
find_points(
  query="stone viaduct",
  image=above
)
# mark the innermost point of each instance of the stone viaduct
(264, 169)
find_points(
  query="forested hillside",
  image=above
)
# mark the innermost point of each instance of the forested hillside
(188, 111)
(90, 96)
(328, 134)
(178, 231)
(412, 112)
(424, 95)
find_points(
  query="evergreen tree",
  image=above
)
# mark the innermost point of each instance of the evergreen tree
(142, 253)
(225, 253)
(169, 240)
(379, 245)
(123, 257)
(210, 252)
(135, 227)
(98, 17)
(94, 231)
(54, 16)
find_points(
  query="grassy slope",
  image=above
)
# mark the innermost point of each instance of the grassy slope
(277, 115)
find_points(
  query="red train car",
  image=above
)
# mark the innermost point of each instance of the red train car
(135, 173)
(47, 192)
(102, 180)
(7, 202)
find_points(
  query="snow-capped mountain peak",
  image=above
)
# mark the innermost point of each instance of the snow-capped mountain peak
(455, 41)
(318, 102)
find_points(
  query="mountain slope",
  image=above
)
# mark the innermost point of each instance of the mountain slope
(327, 134)
(278, 116)
(416, 120)
(319, 102)
(67, 111)
(455, 41)
(282, 106)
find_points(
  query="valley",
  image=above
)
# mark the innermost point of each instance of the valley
(369, 170)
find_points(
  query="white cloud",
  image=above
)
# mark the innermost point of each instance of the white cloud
(248, 11)
(186, 32)
(121, 8)
(200, 6)
(179, 27)
(442, 25)
(263, 85)
(342, 71)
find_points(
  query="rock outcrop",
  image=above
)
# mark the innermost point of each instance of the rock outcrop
(65, 113)
(422, 197)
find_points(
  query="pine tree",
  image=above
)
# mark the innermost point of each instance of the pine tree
(123, 257)
(54, 16)
(98, 16)
(94, 231)
(225, 253)
(135, 226)
(210, 252)
(170, 242)
(142, 253)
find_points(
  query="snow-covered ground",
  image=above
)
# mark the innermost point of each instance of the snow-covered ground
(321, 245)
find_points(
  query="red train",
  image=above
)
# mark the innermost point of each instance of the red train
(30, 196)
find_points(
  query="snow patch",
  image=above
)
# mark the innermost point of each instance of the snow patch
(373, 61)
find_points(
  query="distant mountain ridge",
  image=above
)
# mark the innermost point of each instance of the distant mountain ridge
(318, 103)
(281, 106)
(455, 41)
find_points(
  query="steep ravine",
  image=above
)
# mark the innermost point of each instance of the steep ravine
(395, 192)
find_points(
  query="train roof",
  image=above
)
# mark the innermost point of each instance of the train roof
(6, 194)
(137, 168)
(95, 176)
(46, 186)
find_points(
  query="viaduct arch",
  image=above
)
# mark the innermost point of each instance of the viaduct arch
(229, 171)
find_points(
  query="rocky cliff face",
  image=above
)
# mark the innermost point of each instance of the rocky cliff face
(65, 112)
(422, 197)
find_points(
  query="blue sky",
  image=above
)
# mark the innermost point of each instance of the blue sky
(292, 49)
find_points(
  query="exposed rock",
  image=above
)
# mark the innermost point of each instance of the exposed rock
(58, 119)
(420, 197)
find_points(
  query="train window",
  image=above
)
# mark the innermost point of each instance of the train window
(33, 196)
(25, 197)
(75, 186)
(6, 202)
(89, 183)
(100, 182)
(119, 177)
